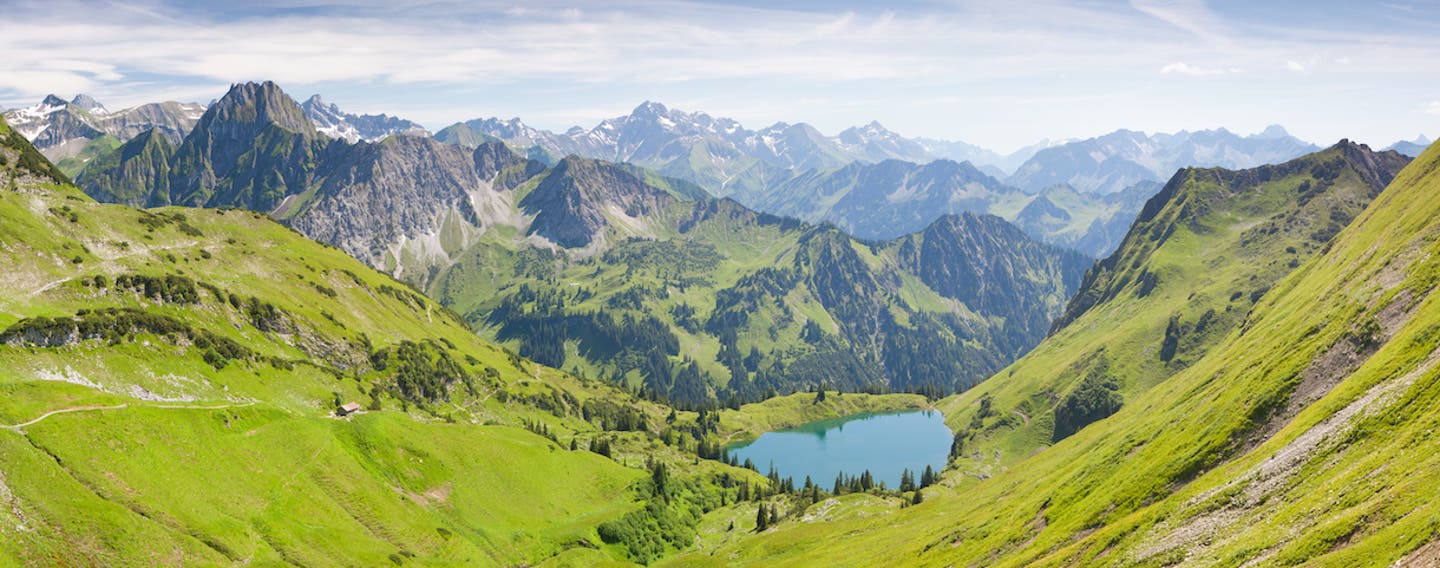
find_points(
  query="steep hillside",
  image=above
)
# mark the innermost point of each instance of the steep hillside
(1299, 436)
(404, 204)
(172, 379)
(136, 174)
(992, 273)
(1200, 255)
(571, 204)
(22, 163)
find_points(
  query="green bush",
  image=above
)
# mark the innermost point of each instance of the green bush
(171, 288)
(1097, 397)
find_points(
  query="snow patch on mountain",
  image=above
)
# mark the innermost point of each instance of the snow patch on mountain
(335, 123)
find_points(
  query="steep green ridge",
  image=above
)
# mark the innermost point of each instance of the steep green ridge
(136, 174)
(1199, 257)
(21, 162)
(94, 149)
(1302, 436)
(170, 378)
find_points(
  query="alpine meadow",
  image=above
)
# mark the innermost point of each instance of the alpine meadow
(485, 300)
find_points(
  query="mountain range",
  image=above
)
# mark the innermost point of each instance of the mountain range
(703, 300)
(1249, 379)
(73, 133)
(335, 123)
(1411, 148)
(892, 198)
(783, 169)
(862, 179)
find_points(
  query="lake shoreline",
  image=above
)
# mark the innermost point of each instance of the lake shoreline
(779, 413)
(884, 444)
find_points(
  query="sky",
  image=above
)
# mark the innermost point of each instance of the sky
(996, 73)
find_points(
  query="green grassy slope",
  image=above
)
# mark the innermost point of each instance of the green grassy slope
(169, 378)
(1303, 436)
(97, 148)
(1194, 264)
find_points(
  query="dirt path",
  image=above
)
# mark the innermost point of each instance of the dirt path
(42, 417)
(63, 411)
(51, 285)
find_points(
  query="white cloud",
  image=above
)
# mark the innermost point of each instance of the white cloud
(1182, 68)
(1190, 15)
(1309, 63)
(1433, 107)
(499, 55)
(674, 41)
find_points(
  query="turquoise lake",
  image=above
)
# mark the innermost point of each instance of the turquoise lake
(885, 444)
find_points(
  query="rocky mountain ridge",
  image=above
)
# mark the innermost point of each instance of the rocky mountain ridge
(335, 123)
(62, 129)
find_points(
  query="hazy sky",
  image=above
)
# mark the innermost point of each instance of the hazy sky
(1000, 74)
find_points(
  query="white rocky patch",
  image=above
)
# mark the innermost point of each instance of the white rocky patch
(71, 376)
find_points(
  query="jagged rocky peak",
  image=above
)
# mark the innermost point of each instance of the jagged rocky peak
(873, 131)
(649, 109)
(1274, 132)
(260, 103)
(493, 157)
(658, 114)
(253, 148)
(572, 203)
(53, 101)
(88, 103)
(873, 126)
(331, 121)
